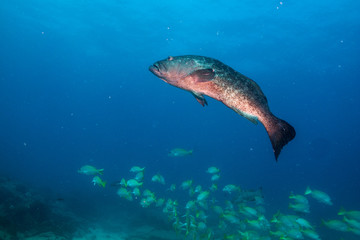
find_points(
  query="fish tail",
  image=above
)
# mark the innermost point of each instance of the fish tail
(280, 133)
(308, 191)
(291, 195)
(342, 211)
(101, 171)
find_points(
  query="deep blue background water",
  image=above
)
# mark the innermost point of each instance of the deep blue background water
(75, 89)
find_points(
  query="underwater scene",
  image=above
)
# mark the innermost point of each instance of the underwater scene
(193, 120)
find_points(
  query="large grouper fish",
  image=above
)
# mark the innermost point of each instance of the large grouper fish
(207, 76)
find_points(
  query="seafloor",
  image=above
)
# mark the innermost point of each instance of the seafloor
(27, 214)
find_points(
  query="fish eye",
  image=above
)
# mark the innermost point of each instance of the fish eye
(170, 58)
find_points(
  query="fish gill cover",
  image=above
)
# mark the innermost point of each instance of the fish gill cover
(75, 90)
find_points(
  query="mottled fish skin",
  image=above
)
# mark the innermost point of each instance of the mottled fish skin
(207, 76)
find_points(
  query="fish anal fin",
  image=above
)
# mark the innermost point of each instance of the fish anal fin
(200, 98)
(249, 117)
(203, 75)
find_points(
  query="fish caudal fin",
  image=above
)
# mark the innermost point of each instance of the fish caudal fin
(280, 133)
(342, 211)
(101, 171)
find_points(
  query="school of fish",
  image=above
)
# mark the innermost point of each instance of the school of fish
(240, 216)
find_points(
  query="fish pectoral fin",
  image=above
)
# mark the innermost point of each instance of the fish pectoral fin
(200, 98)
(203, 75)
(249, 117)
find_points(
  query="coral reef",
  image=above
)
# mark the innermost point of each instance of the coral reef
(25, 213)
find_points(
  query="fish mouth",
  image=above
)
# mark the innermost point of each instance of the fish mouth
(155, 69)
(159, 70)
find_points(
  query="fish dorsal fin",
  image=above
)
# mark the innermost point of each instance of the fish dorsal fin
(200, 98)
(249, 117)
(258, 89)
(203, 75)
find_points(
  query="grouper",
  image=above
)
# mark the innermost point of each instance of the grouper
(207, 76)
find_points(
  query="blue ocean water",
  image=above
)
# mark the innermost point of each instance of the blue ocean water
(75, 89)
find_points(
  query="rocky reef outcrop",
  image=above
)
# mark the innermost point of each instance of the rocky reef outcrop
(25, 213)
